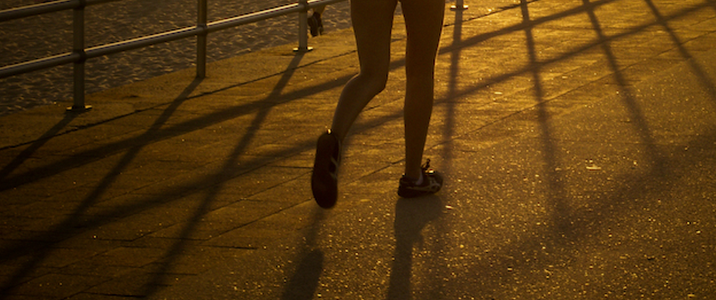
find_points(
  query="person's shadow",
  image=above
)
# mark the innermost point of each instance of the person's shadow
(411, 216)
(304, 282)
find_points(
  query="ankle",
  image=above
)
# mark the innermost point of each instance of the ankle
(418, 180)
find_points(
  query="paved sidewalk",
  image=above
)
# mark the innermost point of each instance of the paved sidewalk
(578, 141)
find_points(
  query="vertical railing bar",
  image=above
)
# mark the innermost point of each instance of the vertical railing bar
(201, 39)
(459, 5)
(78, 46)
(303, 28)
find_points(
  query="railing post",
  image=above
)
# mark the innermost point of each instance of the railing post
(458, 5)
(78, 47)
(201, 39)
(303, 29)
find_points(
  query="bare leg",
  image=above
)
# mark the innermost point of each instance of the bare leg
(372, 24)
(423, 21)
(315, 22)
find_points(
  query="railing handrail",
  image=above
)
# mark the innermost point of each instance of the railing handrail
(44, 8)
(80, 53)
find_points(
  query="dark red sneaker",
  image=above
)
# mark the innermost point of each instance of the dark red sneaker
(324, 180)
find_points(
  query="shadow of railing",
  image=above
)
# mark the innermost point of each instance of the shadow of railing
(171, 131)
(36, 145)
(556, 191)
(227, 114)
(663, 21)
(570, 227)
(69, 226)
(226, 171)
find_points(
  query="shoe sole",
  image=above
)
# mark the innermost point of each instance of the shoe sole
(323, 181)
(407, 192)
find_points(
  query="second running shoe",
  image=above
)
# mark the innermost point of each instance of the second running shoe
(432, 182)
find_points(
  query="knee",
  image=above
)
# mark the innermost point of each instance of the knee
(380, 85)
(374, 82)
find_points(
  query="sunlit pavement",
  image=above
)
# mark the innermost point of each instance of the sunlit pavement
(577, 139)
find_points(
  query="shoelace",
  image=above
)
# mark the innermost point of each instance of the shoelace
(426, 166)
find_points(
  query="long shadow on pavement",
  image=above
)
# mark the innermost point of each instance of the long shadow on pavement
(42, 140)
(69, 226)
(411, 216)
(304, 281)
(225, 172)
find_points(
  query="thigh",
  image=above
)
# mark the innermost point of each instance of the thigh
(423, 22)
(372, 23)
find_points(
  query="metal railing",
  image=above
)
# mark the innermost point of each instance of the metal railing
(80, 54)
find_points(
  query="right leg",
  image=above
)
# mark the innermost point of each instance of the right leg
(315, 22)
(423, 21)
(372, 24)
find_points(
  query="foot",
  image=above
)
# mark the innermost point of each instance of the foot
(315, 25)
(431, 183)
(319, 22)
(324, 181)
